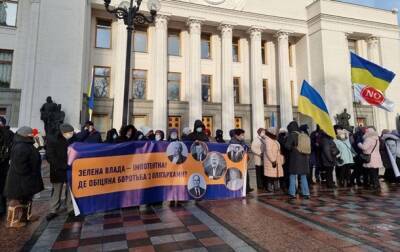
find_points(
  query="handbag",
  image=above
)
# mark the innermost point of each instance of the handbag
(366, 158)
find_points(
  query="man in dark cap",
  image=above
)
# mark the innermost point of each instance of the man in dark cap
(89, 134)
(57, 149)
(6, 138)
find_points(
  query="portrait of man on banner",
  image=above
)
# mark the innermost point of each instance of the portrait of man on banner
(235, 152)
(214, 165)
(177, 152)
(197, 186)
(199, 151)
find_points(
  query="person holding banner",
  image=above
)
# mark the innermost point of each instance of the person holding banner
(57, 156)
(199, 132)
(89, 134)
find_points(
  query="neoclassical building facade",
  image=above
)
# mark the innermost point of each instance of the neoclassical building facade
(231, 63)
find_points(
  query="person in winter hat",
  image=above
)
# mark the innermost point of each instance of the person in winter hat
(199, 132)
(219, 136)
(24, 179)
(273, 160)
(258, 149)
(57, 156)
(173, 135)
(370, 146)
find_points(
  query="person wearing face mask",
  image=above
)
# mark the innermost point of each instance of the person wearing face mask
(198, 133)
(57, 156)
(173, 135)
(127, 133)
(89, 134)
(24, 179)
(159, 135)
(345, 161)
(219, 136)
(112, 136)
(258, 149)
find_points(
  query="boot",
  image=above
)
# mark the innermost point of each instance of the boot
(30, 216)
(15, 216)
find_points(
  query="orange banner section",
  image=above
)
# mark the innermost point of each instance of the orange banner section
(102, 175)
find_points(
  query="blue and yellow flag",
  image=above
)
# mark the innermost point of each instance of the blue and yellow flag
(370, 74)
(91, 98)
(312, 105)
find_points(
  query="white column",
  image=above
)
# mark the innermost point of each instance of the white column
(228, 106)
(380, 115)
(257, 103)
(160, 100)
(285, 104)
(216, 55)
(118, 73)
(28, 60)
(195, 101)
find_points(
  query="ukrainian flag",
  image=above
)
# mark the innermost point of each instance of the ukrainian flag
(91, 98)
(312, 105)
(370, 74)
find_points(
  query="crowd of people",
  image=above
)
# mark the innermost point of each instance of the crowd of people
(293, 156)
(283, 159)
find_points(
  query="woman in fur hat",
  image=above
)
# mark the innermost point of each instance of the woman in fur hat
(273, 160)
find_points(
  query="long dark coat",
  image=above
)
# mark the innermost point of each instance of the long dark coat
(24, 178)
(6, 139)
(196, 136)
(57, 156)
(327, 157)
(298, 163)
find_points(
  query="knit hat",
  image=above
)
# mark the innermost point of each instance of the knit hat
(272, 130)
(24, 131)
(3, 120)
(186, 130)
(283, 130)
(66, 128)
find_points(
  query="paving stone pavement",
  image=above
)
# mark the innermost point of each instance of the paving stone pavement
(333, 220)
(144, 229)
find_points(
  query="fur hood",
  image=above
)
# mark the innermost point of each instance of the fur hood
(370, 133)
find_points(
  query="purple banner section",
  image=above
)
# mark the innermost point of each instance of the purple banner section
(214, 171)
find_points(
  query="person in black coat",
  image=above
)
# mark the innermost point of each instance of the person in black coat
(89, 134)
(127, 133)
(329, 152)
(6, 139)
(298, 163)
(24, 178)
(219, 136)
(112, 136)
(198, 133)
(57, 156)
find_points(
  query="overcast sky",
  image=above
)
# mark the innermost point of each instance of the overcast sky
(384, 4)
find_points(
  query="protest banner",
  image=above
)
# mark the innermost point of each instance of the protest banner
(104, 177)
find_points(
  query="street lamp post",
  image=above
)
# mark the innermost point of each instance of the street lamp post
(129, 12)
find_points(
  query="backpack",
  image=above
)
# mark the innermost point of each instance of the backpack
(303, 143)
